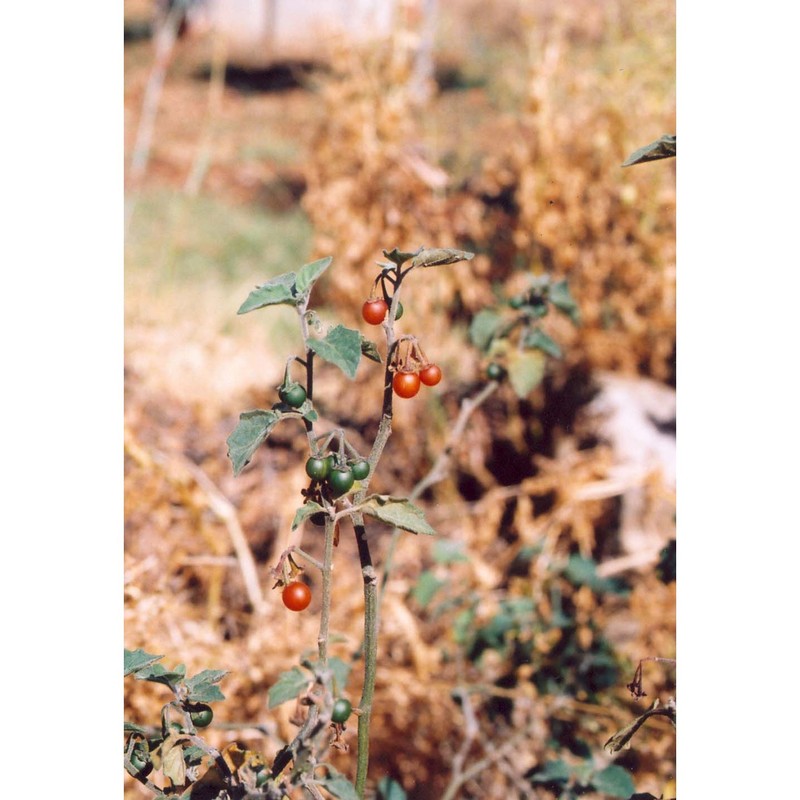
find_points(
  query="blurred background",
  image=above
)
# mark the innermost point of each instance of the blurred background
(262, 135)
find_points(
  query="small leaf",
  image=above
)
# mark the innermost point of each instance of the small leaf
(157, 674)
(369, 350)
(397, 512)
(278, 291)
(483, 328)
(563, 300)
(309, 273)
(551, 772)
(389, 789)
(138, 659)
(341, 347)
(249, 435)
(440, 256)
(665, 147)
(340, 670)
(614, 781)
(339, 787)
(288, 686)
(398, 257)
(525, 371)
(426, 587)
(201, 686)
(304, 512)
(539, 340)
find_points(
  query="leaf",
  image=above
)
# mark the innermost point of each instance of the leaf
(130, 727)
(665, 147)
(278, 291)
(615, 781)
(138, 659)
(539, 340)
(340, 670)
(483, 328)
(309, 273)
(426, 587)
(551, 771)
(440, 256)
(397, 512)
(341, 347)
(339, 787)
(389, 789)
(398, 257)
(370, 350)
(201, 686)
(304, 512)
(157, 674)
(449, 551)
(562, 299)
(249, 435)
(621, 739)
(172, 764)
(288, 686)
(525, 371)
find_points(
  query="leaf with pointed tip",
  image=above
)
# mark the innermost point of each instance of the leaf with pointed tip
(398, 257)
(309, 273)
(304, 512)
(278, 291)
(138, 659)
(562, 299)
(370, 350)
(440, 256)
(201, 686)
(537, 339)
(398, 512)
(252, 431)
(157, 674)
(665, 147)
(483, 328)
(288, 686)
(341, 347)
(525, 371)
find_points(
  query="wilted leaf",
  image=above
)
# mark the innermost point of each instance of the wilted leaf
(309, 273)
(439, 256)
(341, 347)
(484, 326)
(201, 686)
(621, 739)
(172, 764)
(249, 435)
(614, 781)
(138, 659)
(537, 339)
(304, 512)
(525, 371)
(665, 147)
(288, 686)
(563, 300)
(370, 350)
(278, 291)
(397, 512)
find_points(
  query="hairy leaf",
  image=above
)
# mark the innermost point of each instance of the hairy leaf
(370, 350)
(278, 291)
(398, 512)
(440, 256)
(138, 659)
(341, 347)
(304, 512)
(249, 435)
(309, 273)
(201, 686)
(399, 258)
(288, 686)
(157, 674)
(665, 147)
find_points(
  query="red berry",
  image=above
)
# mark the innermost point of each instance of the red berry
(374, 311)
(431, 375)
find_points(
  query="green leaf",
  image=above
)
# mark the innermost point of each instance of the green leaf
(201, 686)
(341, 347)
(665, 147)
(539, 340)
(449, 551)
(614, 781)
(309, 273)
(130, 727)
(437, 257)
(426, 587)
(525, 371)
(157, 674)
(370, 350)
(483, 328)
(339, 668)
(389, 789)
(249, 435)
(583, 572)
(398, 512)
(339, 786)
(563, 300)
(288, 686)
(304, 512)
(399, 258)
(278, 291)
(551, 771)
(138, 659)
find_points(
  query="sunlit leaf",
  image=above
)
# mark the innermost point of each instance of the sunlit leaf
(665, 147)
(437, 257)
(138, 659)
(399, 258)
(341, 347)
(158, 674)
(288, 686)
(397, 512)
(525, 370)
(278, 291)
(309, 273)
(252, 431)
(201, 686)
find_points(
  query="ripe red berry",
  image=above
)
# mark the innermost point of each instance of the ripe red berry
(374, 311)
(431, 375)
(405, 384)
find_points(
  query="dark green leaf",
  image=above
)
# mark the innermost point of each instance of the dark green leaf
(563, 300)
(463, 626)
(370, 350)
(304, 512)
(439, 256)
(341, 347)
(130, 727)
(426, 587)
(249, 435)
(484, 327)
(157, 674)
(551, 771)
(665, 147)
(539, 340)
(288, 686)
(138, 659)
(525, 371)
(201, 686)
(614, 781)
(449, 551)
(278, 291)
(309, 273)
(398, 512)
(583, 572)
(667, 563)
(341, 672)
(389, 789)
(339, 786)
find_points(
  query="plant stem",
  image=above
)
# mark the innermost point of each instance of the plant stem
(325, 614)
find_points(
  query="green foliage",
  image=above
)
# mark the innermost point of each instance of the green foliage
(252, 431)
(574, 780)
(341, 347)
(397, 512)
(389, 789)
